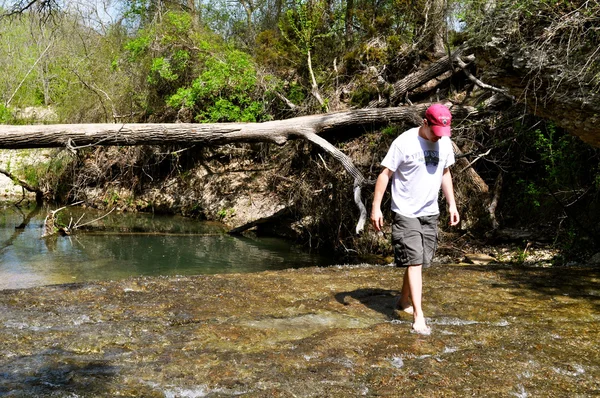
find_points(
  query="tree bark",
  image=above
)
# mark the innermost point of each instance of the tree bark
(314, 86)
(417, 79)
(464, 166)
(279, 132)
(439, 26)
(76, 136)
(494, 202)
(348, 22)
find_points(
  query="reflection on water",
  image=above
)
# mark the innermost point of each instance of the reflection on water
(122, 245)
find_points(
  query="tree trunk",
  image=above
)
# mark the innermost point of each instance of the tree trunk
(349, 16)
(193, 10)
(39, 195)
(75, 136)
(438, 27)
(314, 86)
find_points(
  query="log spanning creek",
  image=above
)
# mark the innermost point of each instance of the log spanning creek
(305, 332)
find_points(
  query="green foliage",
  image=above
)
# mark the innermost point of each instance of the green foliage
(551, 184)
(303, 24)
(19, 50)
(138, 47)
(391, 131)
(136, 9)
(159, 59)
(558, 155)
(223, 91)
(361, 96)
(161, 69)
(192, 69)
(533, 193)
(178, 25)
(296, 93)
(564, 31)
(59, 64)
(271, 51)
(225, 213)
(46, 173)
(112, 198)
(31, 174)
(6, 115)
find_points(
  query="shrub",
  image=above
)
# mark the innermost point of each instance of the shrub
(223, 92)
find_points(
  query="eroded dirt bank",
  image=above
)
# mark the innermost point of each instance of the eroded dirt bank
(314, 332)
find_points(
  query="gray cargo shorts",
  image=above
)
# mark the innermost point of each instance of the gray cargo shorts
(414, 240)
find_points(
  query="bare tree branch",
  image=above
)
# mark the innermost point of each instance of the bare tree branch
(43, 7)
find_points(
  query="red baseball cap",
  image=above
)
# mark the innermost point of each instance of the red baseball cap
(439, 118)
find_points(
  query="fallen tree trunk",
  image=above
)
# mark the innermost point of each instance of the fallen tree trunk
(279, 132)
(421, 77)
(78, 136)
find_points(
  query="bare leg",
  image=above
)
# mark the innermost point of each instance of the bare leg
(415, 281)
(403, 302)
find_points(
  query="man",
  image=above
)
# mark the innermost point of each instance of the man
(418, 163)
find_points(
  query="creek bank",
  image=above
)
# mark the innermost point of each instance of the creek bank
(240, 191)
(312, 332)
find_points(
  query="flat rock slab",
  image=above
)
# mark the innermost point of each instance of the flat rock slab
(313, 332)
(478, 258)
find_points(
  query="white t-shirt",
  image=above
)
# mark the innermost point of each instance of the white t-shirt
(418, 165)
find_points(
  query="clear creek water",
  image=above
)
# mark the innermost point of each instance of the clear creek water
(122, 245)
(308, 332)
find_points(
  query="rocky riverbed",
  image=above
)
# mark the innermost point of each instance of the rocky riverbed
(312, 332)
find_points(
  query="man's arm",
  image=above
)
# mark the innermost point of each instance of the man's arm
(380, 186)
(448, 190)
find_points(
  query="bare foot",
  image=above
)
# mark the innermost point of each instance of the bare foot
(408, 310)
(406, 307)
(420, 327)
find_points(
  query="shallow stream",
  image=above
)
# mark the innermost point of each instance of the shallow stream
(309, 332)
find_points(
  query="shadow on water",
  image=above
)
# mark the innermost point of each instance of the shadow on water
(380, 300)
(54, 371)
(581, 282)
(520, 282)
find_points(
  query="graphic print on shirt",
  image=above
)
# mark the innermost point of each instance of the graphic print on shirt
(432, 158)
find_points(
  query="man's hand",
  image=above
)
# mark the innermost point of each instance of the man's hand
(380, 187)
(454, 216)
(377, 218)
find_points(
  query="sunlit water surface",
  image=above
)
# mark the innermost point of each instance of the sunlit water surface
(497, 331)
(121, 245)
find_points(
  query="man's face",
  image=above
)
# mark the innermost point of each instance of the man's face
(429, 133)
